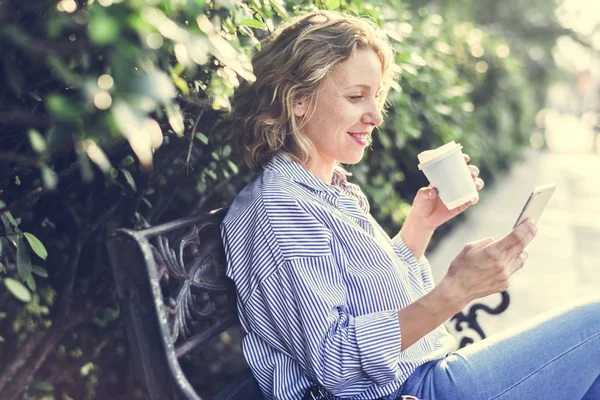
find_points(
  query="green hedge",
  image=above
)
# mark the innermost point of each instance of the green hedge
(445, 93)
(115, 113)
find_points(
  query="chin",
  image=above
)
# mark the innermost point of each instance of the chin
(352, 158)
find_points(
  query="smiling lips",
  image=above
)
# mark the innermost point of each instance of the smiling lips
(362, 138)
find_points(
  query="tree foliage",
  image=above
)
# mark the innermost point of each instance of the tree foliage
(115, 113)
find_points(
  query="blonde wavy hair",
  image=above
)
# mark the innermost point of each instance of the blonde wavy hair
(291, 66)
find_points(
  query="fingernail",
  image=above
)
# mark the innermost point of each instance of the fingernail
(523, 256)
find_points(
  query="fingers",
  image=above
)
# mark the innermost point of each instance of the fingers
(518, 262)
(472, 246)
(474, 171)
(432, 192)
(427, 192)
(479, 183)
(515, 242)
(467, 158)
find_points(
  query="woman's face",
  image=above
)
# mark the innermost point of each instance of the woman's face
(346, 111)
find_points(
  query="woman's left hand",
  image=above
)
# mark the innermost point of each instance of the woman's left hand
(429, 209)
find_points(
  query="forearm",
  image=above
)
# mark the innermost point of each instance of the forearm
(416, 236)
(430, 311)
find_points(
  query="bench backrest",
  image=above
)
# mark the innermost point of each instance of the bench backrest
(174, 298)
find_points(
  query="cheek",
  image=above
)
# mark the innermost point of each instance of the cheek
(342, 116)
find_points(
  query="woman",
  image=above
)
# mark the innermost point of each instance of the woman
(330, 305)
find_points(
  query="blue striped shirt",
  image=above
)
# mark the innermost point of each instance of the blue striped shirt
(319, 284)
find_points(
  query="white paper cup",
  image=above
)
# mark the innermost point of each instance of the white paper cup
(447, 170)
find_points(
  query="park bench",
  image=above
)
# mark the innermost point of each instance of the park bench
(175, 300)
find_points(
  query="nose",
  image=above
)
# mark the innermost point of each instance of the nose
(372, 115)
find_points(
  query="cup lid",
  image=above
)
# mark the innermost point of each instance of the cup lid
(432, 156)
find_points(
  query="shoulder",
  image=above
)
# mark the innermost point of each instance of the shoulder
(290, 205)
(276, 209)
(270, 192)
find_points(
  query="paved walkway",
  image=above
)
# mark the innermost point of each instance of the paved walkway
(564, 258)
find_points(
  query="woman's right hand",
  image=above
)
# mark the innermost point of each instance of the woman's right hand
(484, 267)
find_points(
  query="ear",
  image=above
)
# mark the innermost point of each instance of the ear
(300, 108)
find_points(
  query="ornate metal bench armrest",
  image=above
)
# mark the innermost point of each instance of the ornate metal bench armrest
(174, 296)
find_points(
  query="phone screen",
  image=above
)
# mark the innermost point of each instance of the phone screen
(538, 199)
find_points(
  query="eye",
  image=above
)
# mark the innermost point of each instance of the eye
(356, 98)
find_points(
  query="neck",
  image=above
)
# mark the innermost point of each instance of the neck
(322, 170)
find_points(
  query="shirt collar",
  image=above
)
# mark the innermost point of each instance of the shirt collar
(284, 164)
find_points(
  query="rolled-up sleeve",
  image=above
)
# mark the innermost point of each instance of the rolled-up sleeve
(422, 265)
(379, 341)
(306, 301)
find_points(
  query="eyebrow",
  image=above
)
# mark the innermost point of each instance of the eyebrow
(363, 86)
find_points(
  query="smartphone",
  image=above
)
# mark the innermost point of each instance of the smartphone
(537, 201)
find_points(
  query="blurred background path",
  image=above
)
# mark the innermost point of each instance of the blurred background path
(564, 258)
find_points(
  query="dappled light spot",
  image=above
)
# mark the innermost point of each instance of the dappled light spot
(103, 100)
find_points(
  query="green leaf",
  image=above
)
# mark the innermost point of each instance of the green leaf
(49, 178)
(17, 180)
(87, 368)
(18, 290)
(234, 168)
(85, 167)
(255, 4)
(211, 174)
(202, 137)
(129, 179)
(36, 245)
(12, 220)
(103, 29)
(64, 71)
(127, 161)
(23, 258)
(246, 31)
(279, 8)
(228, 26)
(38, 143)
(7, 216)
(251, 22)
(175, 118)
(44, 386)
(332, 4)
(181, 84)
(39, 271)
(63, 108)
(30, 281)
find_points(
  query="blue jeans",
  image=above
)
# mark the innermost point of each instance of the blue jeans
(553, 356)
